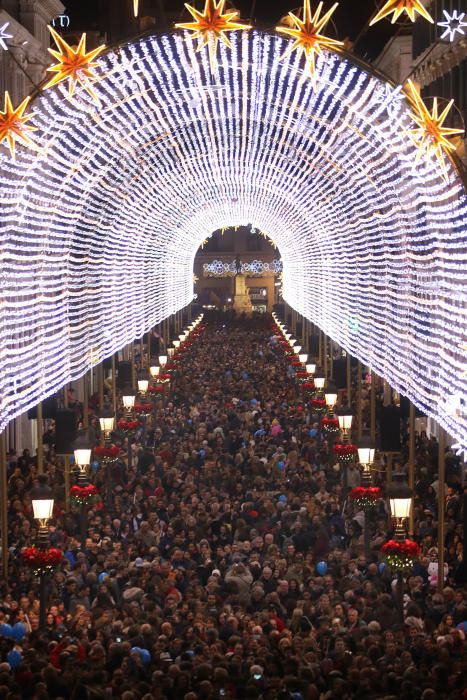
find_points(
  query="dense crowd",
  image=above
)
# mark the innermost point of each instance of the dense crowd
(225, 562)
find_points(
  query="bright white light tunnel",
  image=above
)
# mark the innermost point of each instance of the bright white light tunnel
(100, 227)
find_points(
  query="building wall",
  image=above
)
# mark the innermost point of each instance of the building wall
(438, 66)
(23, 66)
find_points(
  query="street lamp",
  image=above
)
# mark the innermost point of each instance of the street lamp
(330, 396)
(400, 501)
(182, 337)
(107, 422)
(128, 400)
(154, 371)
(320, 379)
(366, 457)
(176, 344)
(143, 383)
(345, 418)
(162, 361)
(170, 352)
(82, 449)
(311, 368)
(303, 357)
(42, 507)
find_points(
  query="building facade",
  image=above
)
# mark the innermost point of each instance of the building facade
(23, 63)
(223, 255)
(435, 59)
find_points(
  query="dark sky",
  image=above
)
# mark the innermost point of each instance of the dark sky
(350, 17)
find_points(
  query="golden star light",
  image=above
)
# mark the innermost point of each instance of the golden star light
(397, 7)
(13, 126)
(431, 136)
(211, 25)
(306, 33)
(74, 64)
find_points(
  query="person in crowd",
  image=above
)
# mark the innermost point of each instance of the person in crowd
(224, 560)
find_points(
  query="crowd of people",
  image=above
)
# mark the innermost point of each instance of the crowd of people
(225, 560)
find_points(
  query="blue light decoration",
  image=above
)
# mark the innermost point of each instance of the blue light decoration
(101, 225)
(217, 268)
(61, 21)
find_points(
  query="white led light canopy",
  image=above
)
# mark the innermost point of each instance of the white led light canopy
(101, 224)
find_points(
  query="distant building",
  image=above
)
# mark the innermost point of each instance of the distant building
(224, 255)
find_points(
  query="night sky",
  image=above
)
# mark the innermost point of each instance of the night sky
(350, 17)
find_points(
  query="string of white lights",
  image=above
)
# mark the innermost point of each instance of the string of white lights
(99, 230)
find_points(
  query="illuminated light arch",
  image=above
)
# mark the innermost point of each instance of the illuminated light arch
(99, 230)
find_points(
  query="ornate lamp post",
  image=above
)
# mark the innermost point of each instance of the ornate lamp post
(143, 383)
(82, 450)
(154, 370)
(366, 457)
(400, 501)
(107, 422)
(320, 381)
(42, 506)
(330, 396)
(344, 417)
(128, 400)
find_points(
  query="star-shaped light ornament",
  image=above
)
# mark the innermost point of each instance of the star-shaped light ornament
(211, 25)
(397, 7)
(453, 25)
(430, 136)
(306, 34)
(4, 36)
(14, 126)
(75, 64)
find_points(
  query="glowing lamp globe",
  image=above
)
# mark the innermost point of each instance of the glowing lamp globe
(143, 385)
(320, 382)
(82, 450)
(176, 344)
(154, 370)
(400, 501)
(162, 360)
(106, 420)
(330, 395)
(311, 368)
(171, 352)
(42, 502)
(128, 399)
(303, 357)
(345, 422)
(366, 452)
